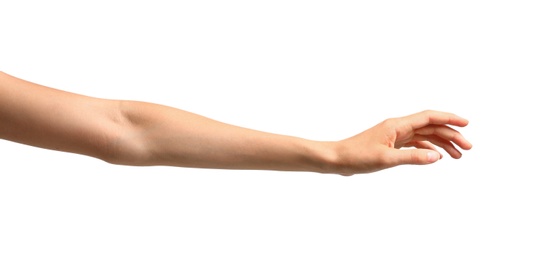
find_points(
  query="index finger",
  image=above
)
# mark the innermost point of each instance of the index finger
(432, 117)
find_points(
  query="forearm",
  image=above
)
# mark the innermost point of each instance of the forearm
(160, 135)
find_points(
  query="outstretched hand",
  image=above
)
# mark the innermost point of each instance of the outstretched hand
(379, 147)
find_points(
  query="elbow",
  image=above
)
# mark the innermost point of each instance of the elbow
(125, 149)
(124, 142)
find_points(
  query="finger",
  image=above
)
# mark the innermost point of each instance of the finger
(413, 156)
(429, 117)
(446, 133)
(423, 145)
(444, 144)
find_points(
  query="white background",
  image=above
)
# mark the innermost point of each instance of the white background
(321, 70)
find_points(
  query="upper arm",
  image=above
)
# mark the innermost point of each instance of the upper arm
(53, 119)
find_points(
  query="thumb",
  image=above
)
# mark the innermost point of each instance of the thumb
(416, 156)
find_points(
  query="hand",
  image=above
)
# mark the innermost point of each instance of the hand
(379, 147)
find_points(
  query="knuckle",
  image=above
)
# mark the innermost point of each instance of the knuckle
(384, 160)
(429, 111)
(456, 136)
(389, 123)
(417, 158)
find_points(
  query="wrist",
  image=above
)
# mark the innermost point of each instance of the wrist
(338, 158)
(324, 157)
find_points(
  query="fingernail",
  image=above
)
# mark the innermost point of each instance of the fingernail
(432, 156)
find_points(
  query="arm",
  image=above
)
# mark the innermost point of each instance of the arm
(139, 133)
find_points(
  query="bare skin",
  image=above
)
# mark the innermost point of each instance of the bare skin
(140, 133)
